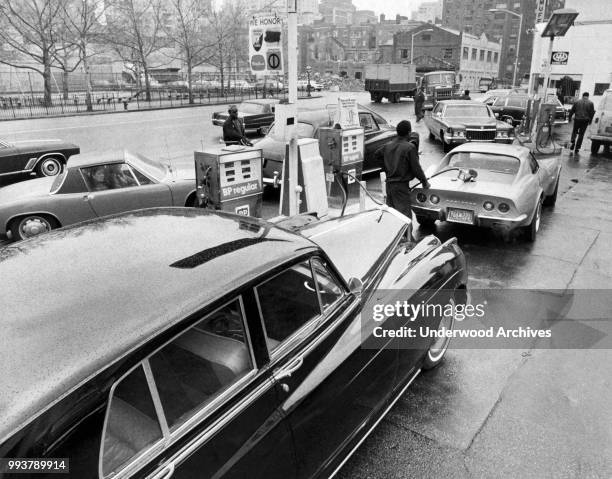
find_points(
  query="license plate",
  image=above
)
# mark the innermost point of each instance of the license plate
(460, 216)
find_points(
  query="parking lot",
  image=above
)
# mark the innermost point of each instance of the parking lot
(506, 413)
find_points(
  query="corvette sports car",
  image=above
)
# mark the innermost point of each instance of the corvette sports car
(498, 186)
(89, 187)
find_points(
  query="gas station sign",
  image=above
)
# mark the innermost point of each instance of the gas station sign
(559, 58)
(265, 44)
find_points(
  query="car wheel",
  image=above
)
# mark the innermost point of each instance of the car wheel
(595, 147)
(49, 166)
(31, 225)
(552, 199)
(425, 221)
(534, 226)
(435, 353)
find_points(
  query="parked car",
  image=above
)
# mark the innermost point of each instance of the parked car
(600, 131)
(302, 85)
(44, 157)
(187, 343)
(492, 95)
(511, 109)
(91, 186)
(494, 186)
(458, 121)
(378, 132)
(256, 114)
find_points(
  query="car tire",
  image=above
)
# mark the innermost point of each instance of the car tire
(532, 229)
(29, 226)
(437, 350)
(425, 221)
(595, 147)
(552, 199)
(377, 97)
(49, 166)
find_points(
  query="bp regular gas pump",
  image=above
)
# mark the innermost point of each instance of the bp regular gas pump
(230, 179)
(342, 152)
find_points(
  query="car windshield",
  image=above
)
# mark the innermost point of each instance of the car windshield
(253, 108)
(454, 111)
(508, 165)
(517, 102)
(440, 78)
(149, 167)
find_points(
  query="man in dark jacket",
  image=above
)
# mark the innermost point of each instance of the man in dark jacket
(233, 129)
(400, 161)
(419, 101)
(583, 111)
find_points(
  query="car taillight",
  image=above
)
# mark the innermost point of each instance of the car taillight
(421, 197)
(435, 199)
(503, 207)
(487, 205)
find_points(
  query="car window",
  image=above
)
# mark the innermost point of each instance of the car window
(132, 424)
(109, 177)
(455, 111)
(287, 302)
(533, 163)
(327, 286)
(142, 179)
(380, 120)
(438, 108)
(501, 101)
(367, 122)
(202, 362)
(251, 108)
(517, 102)
(486, 162)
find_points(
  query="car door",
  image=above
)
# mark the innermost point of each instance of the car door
(198, 406)
(375, 137)
(11, 161)
(330, 386)
(435, 120)
(124, 189)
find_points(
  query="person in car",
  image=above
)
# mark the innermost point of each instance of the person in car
(98, 179)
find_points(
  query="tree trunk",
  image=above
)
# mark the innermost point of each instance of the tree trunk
(147, 80)
(65, 84)
(189, 86)
(88, 94)
(47, 79)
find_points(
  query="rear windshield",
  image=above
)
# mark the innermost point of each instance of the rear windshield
(466, 110)
(485, 162)
(252, 108)
(517, 102)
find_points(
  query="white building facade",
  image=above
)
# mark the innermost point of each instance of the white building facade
(588, 44)
(428, 12)
(479, 58)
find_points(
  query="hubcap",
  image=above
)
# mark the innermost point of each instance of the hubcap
(33, 226)
(50, 167)
(438, 348)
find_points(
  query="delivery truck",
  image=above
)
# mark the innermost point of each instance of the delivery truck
(391, 81)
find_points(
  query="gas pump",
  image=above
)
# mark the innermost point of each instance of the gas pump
(230, 179)
(342, 152)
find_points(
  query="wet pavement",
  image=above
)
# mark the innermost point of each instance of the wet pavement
(484, 413)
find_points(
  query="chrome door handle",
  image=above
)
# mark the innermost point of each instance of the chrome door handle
(165, 473)
(289, 370)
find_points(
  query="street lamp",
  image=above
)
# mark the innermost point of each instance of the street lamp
(518, 43)
(308, 70)
(412, 42)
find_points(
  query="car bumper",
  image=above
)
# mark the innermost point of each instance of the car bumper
(601, 138)
(460, 141)
(498, 222)
(560, 122)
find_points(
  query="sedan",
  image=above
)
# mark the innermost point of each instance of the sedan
(255, 114)
(185, 343)
(378, 132)
(89, 187)
(44, 157)
(497, 186)
(512, 108)
(459, 121)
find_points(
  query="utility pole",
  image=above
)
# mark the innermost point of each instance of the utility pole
(292, 46)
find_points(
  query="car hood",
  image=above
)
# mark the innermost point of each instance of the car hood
(271, 148)
(37, 145)
(471, 122)
(26, 189)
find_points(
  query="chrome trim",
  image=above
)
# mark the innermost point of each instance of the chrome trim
(159, 409)
(518, 219)
(433, 210)
(30, 164)
(369, 431)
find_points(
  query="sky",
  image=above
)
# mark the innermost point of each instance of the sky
(389, 7)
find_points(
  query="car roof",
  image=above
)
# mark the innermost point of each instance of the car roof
(493, 148)
(461, 102)
(143, 271)
(107, 156)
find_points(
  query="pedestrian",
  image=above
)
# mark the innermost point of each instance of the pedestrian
(466, 95)
(419, 101)
(233, 129)
(399, 159)
(583, 111)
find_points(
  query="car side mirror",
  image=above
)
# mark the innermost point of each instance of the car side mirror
(355, 285)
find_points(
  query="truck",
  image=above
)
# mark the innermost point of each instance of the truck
(486, 83)
(391, 81)
(440, 85)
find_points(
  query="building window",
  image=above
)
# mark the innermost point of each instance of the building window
(448, 53)
(482, 55)
(466, 53)
(489, 56)
(474, 53)
(404, 53)
(500, 16)
(426, 38)
(600, 88)
(495, 57)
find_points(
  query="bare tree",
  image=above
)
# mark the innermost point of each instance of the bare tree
(134, 31)
(29, 30)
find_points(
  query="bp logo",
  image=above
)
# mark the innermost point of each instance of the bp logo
(559, 58)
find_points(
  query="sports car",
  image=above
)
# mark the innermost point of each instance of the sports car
(255, 114)
(45, 157)
(184, 343)
(496, 186)
(458, 121)
(91, 186)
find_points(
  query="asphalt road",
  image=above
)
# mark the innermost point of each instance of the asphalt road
(484, 413)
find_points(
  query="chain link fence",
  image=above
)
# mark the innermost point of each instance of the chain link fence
(22, 93)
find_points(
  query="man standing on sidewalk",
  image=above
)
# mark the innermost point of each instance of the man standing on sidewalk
(400, 161)
(583, 111)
